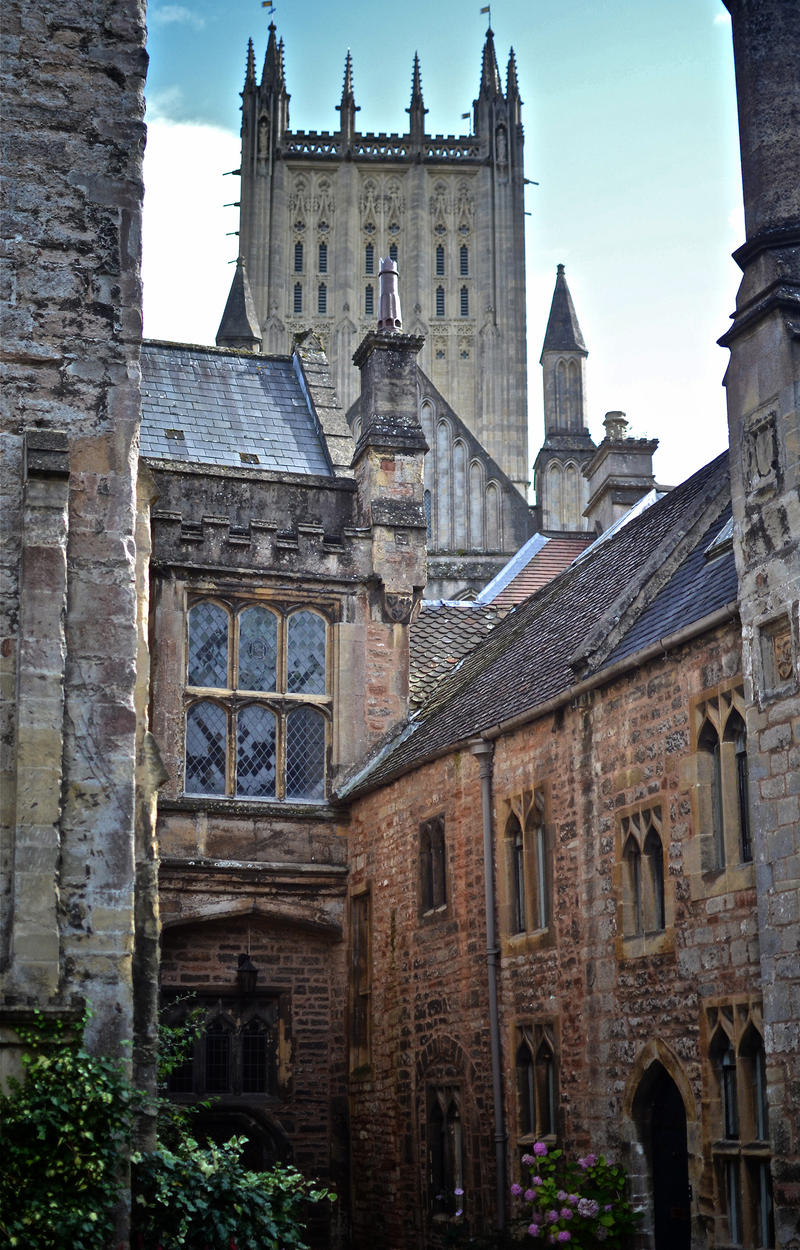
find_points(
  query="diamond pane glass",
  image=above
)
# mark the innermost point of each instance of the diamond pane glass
(258, 649)
(305, 754)
(218, 1058)
(255, 752)
(306, 654)
(208, 645)
(206, 726)
(256, 1058)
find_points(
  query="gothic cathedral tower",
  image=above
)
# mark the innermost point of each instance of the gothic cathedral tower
(319, 210)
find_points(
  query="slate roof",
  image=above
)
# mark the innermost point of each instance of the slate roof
(527, 658)
(441, 635)
(206, 405)
(534, 565)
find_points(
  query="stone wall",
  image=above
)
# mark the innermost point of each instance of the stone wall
(618, 1008)
(73, 137)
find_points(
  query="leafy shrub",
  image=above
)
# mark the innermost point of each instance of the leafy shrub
(201, 1197)
(62, 1134)
(575, 1204)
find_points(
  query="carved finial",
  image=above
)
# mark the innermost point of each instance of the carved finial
(250, 71)
(389, 316)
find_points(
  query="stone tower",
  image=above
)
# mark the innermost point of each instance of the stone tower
(763, 395)
(562, 491)
(318, 210)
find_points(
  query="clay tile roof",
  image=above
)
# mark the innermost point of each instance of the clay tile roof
(545, 563)
(528, 657)
(440, 636)
(206, 405)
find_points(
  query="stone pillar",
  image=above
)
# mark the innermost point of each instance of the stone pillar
(763, 394)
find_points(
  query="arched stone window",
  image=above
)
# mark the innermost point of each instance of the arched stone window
(440, 301)
(723, 797)
(322, 299)
(439, 266)
(323, 258)
(643, 901)
(369, 258)
(536, 1083)
(297, 301)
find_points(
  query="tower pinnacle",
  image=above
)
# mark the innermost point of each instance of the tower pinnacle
(417, 110)
(491, 86)
(348, 108)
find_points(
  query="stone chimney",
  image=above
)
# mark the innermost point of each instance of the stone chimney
(387, 466)
(619, 473)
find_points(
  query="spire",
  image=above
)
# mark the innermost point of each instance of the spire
(239, 325)
(250, 71)
(512, 87)
(348, 108)
(417, 110)
(491, 86)
(563, 333)
(272, 76)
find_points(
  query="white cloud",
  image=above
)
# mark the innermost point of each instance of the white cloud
(164, 104)
(186, 248)
(722, 19)
(174, 14)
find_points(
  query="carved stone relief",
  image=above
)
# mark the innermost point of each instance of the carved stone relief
(761, 456)
(777, 654)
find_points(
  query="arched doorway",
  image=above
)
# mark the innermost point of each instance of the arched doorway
(661, 1118)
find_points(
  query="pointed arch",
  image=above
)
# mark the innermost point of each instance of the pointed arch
(459, 495)
(477, 535)
(444, 533)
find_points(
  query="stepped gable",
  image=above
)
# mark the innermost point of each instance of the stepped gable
(443, 634)
(204, 405)
(528, 658)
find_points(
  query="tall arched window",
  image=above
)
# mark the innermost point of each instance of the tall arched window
(536, 1082)
(322, 299)
(710, 744)
(323, 258)
(463, 260)
(464, 305)
(297, 304)
(369, 258)
(445, 1150)
(369, 300)
(723, 797)
(440, 301)
(654, 902)
(632, 858)
(529, 870)
(298, 257)
(439, 268)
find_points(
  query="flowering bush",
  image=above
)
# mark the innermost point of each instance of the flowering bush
(575, 1204)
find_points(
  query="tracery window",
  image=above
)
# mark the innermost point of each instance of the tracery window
(234, 1050)
(257, 705)
(445, 1139)
(536, 1082)
(723, 799)
(528, 860)
(740, 1113)
(432, 866)
(643, 902)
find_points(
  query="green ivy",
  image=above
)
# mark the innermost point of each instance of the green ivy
(65, 1132)
(63, 1129)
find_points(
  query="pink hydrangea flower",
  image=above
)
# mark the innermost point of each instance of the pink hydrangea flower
(516, 1189)
(539, 1149)
(533, 1229)
(587, 1207)
(528, 1160)
(536, 1180)
(551, 1217)
(564, 1235)
(566, 1213)
(529, 1195)
(562, 1195)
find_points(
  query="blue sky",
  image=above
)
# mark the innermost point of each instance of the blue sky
(630, 131)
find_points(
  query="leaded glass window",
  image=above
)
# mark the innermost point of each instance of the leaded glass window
(208, 645)
(264, 734)
(206, 733)
(305, 754)
(258, 649)
(306, 654)
(255, 751)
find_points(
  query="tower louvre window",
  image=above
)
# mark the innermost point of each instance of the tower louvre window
(463, 260)
(393, 252)
(369, 300)
(322, 299)
(323, 258)
(464, 302)
(369, 258)
(440, 301)
(439, 260)
(297, 303)
(298, 257)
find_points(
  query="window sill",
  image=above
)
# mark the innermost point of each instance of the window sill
(523, 943)
(642, 945)
(318, 809)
